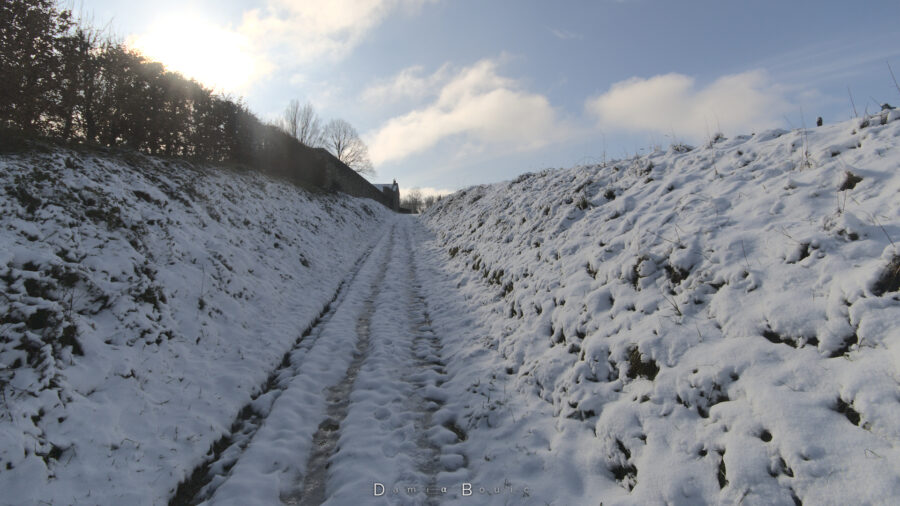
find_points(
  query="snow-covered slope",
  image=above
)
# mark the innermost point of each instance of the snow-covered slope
(144, 302)
(719, 324)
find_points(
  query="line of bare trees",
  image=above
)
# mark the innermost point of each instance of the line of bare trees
(62, 79)
(337, 136)
(416, 202)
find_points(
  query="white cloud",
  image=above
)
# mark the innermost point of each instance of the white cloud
(219, 57)
(672, 103)
(283, 33)
(297, 79)
(408, 84)
(304, 30)
(479, 105)
(566, 35)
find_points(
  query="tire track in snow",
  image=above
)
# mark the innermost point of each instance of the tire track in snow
(396, 429)
(378, 415)
(325, 440)
(428, 397)
(225, 452)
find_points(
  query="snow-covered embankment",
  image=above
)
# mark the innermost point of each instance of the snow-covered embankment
(705, 325)
(143, 303)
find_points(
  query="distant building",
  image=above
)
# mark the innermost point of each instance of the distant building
(392, 192)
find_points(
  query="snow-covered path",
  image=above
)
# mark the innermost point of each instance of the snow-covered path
(357, 402)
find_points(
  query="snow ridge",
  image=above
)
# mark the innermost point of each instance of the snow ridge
(144, 303)
(702, 325)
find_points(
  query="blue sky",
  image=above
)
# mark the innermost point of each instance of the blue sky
(450, 93)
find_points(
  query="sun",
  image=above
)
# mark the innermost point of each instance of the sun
(219, 58)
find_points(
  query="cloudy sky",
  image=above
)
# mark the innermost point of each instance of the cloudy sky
(450, 93)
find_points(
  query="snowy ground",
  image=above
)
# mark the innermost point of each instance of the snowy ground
(709, 325)
(380, 419)
(144, 303)
(697, 326)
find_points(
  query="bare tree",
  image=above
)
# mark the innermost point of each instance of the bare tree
(418, 203)
(302, 123)
(412, 200)
(310, 131)
(290, 119)
(342, 140)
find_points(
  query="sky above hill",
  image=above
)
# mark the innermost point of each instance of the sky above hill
(453, 93)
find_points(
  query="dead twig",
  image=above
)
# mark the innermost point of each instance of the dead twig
(745, 256)
(892, 76)
(676, 308)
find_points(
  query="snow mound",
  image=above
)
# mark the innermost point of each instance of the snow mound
(709, 325)
(144, 302)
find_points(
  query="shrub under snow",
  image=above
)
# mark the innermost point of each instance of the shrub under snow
(715, 324)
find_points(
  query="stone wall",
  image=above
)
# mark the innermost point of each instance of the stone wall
(316, 168)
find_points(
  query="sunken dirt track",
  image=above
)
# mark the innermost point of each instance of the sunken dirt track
(356, 401)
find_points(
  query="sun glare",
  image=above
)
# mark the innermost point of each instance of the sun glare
(217, 57)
